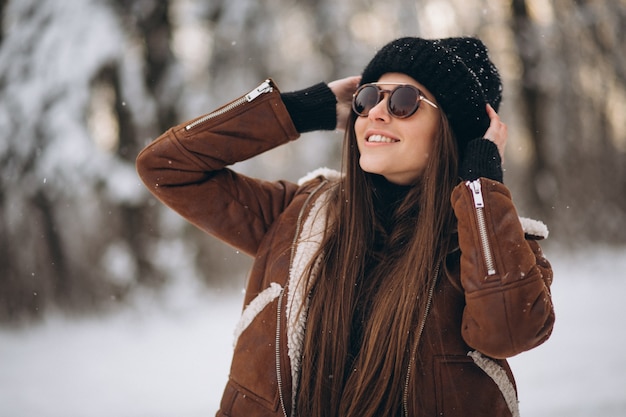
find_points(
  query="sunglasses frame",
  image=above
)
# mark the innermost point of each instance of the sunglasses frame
(381, 94)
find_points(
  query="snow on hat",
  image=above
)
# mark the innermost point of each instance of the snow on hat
(457, 71)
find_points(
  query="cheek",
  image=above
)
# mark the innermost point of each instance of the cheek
(359, 131)
(431, 137)
(359, 127)
(423, 145)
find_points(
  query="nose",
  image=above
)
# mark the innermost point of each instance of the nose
(379, 111)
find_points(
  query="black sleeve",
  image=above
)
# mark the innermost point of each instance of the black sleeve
(481, 159)
(314, 108)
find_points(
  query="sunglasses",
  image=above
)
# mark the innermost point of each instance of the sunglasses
(403, 101)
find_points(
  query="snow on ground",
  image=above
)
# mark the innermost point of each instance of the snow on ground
(172, 359)
(581, 370)
(146, 362)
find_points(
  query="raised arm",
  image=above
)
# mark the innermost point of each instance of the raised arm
(504, 274)
(186, 167)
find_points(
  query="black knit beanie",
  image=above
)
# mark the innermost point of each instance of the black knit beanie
(457, 71)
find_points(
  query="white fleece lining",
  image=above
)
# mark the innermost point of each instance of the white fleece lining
(307, 245)
(329, 173)
(499, 376)
(534, 227)
(255, 307)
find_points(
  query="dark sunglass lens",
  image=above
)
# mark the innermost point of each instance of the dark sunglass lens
(403, 101)
(366, 98)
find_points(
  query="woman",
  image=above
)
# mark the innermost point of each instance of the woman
(396, 288)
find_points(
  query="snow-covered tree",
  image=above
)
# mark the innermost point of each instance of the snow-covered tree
(85, 84)
(75, 108)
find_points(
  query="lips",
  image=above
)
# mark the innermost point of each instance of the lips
(381, 139)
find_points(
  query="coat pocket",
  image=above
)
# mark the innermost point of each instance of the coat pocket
(464, 389)
(253, 385)
(238, 401)
(255, 307)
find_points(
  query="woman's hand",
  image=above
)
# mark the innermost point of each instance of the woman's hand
(343, 90)
(497, 131)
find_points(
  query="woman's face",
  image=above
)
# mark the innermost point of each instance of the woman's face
(397, 149)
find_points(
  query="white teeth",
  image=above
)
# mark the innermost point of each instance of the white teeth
(380, 139)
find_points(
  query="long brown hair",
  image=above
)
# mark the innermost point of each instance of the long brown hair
(332, 382)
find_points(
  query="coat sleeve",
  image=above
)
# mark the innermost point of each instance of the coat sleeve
(186, 168)
(504, 275)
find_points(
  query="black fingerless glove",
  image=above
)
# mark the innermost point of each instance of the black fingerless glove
(314, 108)
(481, 159)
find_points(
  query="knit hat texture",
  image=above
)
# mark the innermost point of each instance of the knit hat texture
(457, 71)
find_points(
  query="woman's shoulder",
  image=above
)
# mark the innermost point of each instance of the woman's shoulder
(316, 189)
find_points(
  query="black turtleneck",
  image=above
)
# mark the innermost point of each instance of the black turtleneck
(387, 197)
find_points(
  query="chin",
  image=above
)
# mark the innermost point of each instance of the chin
(371, 170)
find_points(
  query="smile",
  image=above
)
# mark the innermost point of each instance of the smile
(381, 139)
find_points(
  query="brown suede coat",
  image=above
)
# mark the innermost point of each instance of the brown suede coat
(477, 317)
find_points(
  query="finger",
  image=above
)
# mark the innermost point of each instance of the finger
(353, 83)
(491, 112)
(345, 87)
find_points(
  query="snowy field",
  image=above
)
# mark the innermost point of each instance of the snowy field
(172, 358)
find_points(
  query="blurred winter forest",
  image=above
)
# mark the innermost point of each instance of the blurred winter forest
(85, 84)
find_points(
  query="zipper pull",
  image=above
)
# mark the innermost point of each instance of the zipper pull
(477, 193)
(479, 206)
(265, 87)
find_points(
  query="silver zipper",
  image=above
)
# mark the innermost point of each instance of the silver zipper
(418, 336)
(265, 87)
(279, 376)
(479, 206)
